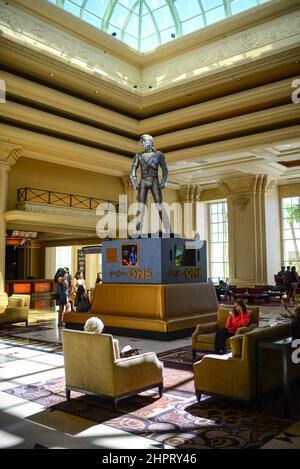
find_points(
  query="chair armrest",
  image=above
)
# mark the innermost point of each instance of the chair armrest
(137, 372)
(206, 328)
(138, 359)
(244, 330)
(19, 310)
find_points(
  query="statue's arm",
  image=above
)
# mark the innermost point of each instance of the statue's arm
(134, 167)
(165, 171)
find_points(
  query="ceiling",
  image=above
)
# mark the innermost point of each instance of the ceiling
(232, 119)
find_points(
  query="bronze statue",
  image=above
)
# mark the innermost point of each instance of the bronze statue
(149, 161)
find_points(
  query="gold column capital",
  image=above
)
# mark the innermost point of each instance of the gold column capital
(190, 193)
(250, 183)
(9, 154)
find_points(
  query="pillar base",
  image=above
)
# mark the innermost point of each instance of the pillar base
(3, 300)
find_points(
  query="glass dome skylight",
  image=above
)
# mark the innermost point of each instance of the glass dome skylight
(146, 24)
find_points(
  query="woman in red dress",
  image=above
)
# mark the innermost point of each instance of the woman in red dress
(239, 317)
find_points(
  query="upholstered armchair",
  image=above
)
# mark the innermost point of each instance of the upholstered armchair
(233, 375)
(203, 339)
(16, 311)
(93, 366)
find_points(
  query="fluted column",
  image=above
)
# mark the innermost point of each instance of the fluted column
(189, 196)
(246, 228)
(9, 154)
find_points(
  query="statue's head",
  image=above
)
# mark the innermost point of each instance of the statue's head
(147, 141)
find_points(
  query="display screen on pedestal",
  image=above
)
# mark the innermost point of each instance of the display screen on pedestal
(184, 257)
(130, 255)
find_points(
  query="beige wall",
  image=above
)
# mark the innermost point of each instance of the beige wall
(289, 190)
(42, 175)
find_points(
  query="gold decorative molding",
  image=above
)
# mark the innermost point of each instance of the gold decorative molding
(9, 154)
(223, 188)
(242, 202)
(190, 193)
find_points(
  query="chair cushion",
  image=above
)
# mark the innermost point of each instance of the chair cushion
(16, 302)
(206, 338)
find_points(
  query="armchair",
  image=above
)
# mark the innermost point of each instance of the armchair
(204, 336)
(93, 366)
(16, 311)
(233, 375)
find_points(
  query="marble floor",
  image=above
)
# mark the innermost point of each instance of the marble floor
(26, 424)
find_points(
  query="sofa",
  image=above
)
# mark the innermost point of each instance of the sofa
(203, 338)
(93, 366)
(233, 375)
(16, 311)
(156, 311)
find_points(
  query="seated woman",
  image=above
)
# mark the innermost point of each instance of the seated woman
(96, 326)
(239, 317)
(82, 302)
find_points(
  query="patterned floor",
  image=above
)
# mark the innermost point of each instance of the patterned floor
(33, 404)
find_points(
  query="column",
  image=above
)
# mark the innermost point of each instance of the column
(3, 196)
(8, 157)
(246, 228)
(189, 197)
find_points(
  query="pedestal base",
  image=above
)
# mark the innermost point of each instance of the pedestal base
(152, 311)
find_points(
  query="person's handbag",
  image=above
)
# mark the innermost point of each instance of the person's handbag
(128, 351)
(55, 296)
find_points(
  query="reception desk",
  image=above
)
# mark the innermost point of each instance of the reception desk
(39, 290)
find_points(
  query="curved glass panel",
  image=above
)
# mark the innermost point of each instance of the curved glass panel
(147, 24)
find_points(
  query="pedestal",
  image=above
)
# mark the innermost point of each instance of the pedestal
(152, 287)
(154, 261)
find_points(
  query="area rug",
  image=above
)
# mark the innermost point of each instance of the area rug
(175, 419)
(180, 358)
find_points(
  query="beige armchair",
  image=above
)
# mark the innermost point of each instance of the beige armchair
(93, 366)
(16, 311)
(203, 337)
(234, 375)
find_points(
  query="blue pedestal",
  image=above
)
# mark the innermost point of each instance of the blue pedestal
(154, 261)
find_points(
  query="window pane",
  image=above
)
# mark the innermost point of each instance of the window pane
(291, 230)
(218, 240)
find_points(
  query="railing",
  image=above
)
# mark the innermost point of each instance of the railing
(62, 199)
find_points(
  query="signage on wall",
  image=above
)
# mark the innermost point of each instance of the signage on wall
(81, 261)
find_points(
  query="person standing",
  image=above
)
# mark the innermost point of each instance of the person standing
(294, 281)
(71, 290)
(68, 278)
(288, 282)
(61, 286)
(79, 279)
(99, 278)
